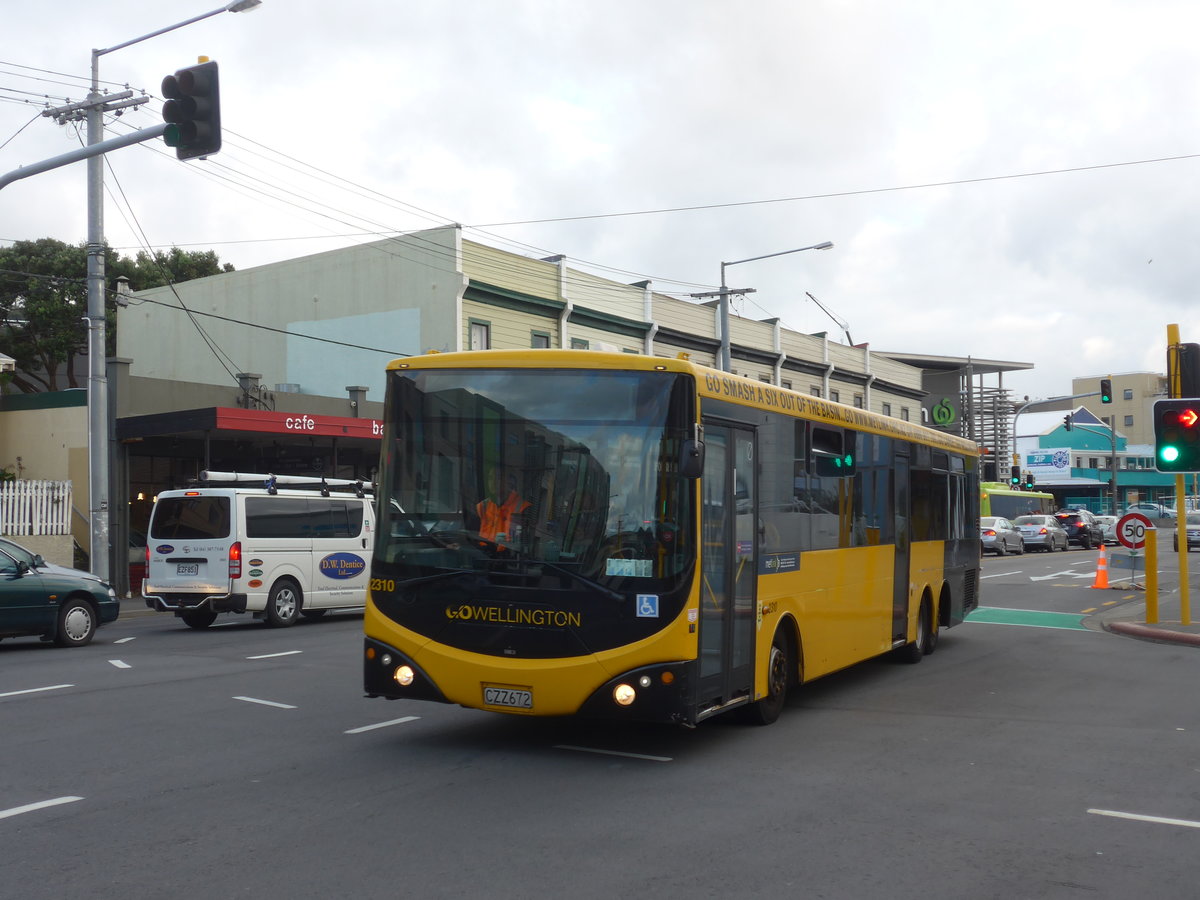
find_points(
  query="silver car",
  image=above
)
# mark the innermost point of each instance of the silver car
(1042, 533)
(998, 535)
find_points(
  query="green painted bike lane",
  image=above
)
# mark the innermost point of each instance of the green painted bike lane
(1031, 618)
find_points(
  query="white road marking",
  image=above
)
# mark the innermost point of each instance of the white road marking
(125, 640)
(1137, 817)
(1000, 575)
(120, 664)
(612, 752)
(273, 655)
(381, 725)
(53, 687)
(31, 807)
(266, 702)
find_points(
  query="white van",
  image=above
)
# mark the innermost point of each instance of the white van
(276, 546)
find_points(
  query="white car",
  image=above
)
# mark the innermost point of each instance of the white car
(1108, 528)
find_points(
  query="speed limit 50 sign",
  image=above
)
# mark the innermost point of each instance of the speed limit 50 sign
(1131, 530)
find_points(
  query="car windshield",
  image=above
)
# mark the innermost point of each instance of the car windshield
(1031, 520)
(987, 522)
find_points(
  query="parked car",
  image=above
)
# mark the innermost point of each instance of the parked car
(1041, 532)
(1151, 510)
(1108, 528)
(1193, 532)
(52, 602)
(998, 535)
(1081, 527)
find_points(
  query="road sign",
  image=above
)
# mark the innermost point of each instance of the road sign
(1131, 530)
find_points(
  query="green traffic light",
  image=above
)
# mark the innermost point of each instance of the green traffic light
(1169, 454)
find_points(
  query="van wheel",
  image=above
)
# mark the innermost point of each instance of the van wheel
(283, 604)
(199, 618)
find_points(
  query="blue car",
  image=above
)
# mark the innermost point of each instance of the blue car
(55, 603)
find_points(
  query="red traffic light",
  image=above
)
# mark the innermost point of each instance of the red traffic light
(1185, 417)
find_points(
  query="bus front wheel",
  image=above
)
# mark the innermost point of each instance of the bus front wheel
(779, 677)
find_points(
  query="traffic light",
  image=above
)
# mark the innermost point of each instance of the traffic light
(1177, 435)
(1030, 481)
(193, 111)
(1067, 421)
(1016, 477)
(1106, 390)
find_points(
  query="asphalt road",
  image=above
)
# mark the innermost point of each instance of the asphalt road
(1019, 761)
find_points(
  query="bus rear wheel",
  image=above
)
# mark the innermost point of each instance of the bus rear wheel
(925, 641)
(779, 676)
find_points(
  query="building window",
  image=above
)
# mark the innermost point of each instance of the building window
(814, 390)
(766, 378)
(1127, 394)
(887, 409)
(481, 336)
(1128, 421)
(787, 385)
(858, 401)
(904, 413)
(578, 344)
(539, 340)
(835, 396)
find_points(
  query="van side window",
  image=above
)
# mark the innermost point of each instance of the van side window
(302, 517)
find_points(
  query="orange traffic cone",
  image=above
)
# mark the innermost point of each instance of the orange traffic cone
(1101, 570)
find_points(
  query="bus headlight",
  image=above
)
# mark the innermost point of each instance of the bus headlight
(624, 694)
(644, 681)
(403, 675)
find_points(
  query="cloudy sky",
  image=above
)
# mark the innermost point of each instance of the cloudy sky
(1012, 180)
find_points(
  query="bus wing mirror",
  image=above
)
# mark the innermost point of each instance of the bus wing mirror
(691, 462)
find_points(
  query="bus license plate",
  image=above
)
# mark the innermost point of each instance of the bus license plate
(510, 698)
(187, 568)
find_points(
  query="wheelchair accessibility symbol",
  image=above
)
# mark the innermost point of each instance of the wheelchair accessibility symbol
(647, 606)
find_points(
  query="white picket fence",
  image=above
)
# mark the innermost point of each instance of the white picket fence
(35, 507)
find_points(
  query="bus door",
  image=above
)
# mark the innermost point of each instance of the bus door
(729, 568)
(901, 488)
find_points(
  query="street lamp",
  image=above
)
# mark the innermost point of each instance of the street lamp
(98, 449)
(726, 360)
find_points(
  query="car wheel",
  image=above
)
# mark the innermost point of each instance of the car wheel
(1001, 548)
(1087, 542)
(283, 604)
(76, 623)
(1021, 547)
(1066, 545)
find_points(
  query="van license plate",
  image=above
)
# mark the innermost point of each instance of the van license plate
(187, 568)
(511, 698)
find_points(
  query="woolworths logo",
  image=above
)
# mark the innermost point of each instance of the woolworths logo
(941, 413)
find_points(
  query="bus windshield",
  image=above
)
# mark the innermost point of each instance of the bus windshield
(492, 470)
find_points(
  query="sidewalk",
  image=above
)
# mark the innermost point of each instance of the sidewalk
(1129, 619)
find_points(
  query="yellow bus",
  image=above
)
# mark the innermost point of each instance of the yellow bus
(999, 499)
(642, 538)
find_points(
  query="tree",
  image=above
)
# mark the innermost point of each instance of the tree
(43, 303)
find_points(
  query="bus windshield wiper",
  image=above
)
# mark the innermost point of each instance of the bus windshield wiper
(582, 579)
(437, 576)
